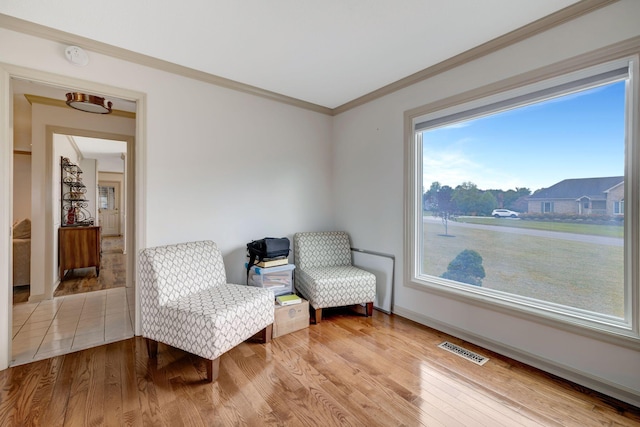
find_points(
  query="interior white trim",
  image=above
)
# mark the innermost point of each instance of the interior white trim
(6, 188)
(626, 49)
(555, 19)
(560, 17)
(47, 33)
(137, 212)
(51, 210)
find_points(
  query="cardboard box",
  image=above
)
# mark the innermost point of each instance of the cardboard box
(290, 318)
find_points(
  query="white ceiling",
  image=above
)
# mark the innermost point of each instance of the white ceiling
(327, 52)
(25, 87)
(107, 152)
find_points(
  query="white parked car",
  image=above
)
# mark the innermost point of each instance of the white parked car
(504, 213)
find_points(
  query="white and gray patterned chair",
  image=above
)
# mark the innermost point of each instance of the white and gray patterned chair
(325, 275)
(187, 303)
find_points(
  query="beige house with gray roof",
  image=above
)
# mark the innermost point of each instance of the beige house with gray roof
(582, 196)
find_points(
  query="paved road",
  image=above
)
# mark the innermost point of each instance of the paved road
(585, 238)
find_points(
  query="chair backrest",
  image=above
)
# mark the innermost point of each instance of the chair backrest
(321, 249)
(170, 272)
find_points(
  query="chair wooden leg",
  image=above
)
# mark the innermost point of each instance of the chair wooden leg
(213, 369)
(369, 310)
(264, 336)
(317, 316)
(152, 348)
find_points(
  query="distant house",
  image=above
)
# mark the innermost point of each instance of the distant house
(582, 196)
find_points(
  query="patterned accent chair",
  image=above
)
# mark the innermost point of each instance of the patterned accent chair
(325, 275)
(187, 303)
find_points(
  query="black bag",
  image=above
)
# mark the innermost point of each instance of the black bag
(267, 248)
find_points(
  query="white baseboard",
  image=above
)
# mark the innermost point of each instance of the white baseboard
(36, 298)
(583, 378)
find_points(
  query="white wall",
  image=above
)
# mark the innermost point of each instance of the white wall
(61, 148)
(233, 168)
(90, 178)
(21, 186)
(21, 162)
(220, 164)
(368, 171)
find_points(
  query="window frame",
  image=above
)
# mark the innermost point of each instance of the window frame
(109, 196)
(625, 332)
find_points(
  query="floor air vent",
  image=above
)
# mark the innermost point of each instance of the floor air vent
(463, 352)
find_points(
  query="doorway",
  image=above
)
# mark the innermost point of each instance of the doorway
(109, 208)
(43, 161)
(103, 201)
(90, 305)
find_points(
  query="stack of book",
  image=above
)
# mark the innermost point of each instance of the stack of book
(288, 299)
(272, 262)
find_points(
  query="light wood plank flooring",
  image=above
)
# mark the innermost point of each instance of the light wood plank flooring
(112, 271)
(347, 370)
(112, 274)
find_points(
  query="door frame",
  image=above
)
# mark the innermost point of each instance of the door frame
(136, 166)
(50, 237)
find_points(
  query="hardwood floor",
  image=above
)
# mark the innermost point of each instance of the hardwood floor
(112, 271)
(112, 274)
(348, 370)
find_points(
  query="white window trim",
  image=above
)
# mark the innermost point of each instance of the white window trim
(600, 327)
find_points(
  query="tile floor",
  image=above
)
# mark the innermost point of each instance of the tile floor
(71, 323)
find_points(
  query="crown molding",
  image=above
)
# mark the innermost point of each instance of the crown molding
(543, 24)
(35, 99)
(41, 31)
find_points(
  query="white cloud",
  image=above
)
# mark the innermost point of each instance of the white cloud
(452, 168)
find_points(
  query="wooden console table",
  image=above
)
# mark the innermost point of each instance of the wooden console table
(79, 247)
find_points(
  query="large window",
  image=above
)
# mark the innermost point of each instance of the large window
(517, 199)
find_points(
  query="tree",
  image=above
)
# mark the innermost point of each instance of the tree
(438, 200)
(470, 200)
(446, 203)
(510, 197)
(466, 267)
(446, 206)
(430, 197)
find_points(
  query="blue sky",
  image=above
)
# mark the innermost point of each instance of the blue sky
(576, 136)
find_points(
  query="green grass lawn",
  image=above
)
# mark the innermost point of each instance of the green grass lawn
(581, 275)
(567, 227)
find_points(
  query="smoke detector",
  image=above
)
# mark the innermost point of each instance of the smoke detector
(76, 55)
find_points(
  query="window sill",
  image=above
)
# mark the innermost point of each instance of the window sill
(619, 335)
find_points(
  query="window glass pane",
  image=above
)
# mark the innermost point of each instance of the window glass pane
(529, 201)
(106, 197)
